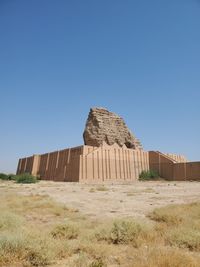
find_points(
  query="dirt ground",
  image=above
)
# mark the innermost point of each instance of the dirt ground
(112, 201)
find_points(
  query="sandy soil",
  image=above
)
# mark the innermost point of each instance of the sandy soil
(116, 201)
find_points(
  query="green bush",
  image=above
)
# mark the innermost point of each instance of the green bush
(26, 179)
(11, 176)
(148, 175)
(4, 176)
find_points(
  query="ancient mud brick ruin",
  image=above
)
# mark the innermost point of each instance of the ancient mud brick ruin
(104, 126)
(111, 154)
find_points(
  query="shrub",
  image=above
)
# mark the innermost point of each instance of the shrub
(11, 176)
(26, 179)
(4, 176)
(148, 175)
(122, 232)
(65, 231)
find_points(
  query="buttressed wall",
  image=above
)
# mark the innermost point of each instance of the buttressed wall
(90, 164)
(173, 167)
(87, 164)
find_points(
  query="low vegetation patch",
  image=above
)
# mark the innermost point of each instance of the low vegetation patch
(26, 179)
(101, 188)
(179, 225)
(162, 256)
(97, 263)
(10, 221)
(30, 233)
(167, 215)
(92, 190)
(4, 176)
(65, 231)
(178, 214)
(124, 232)
(148, 175)
(184, 237)
(23, 249)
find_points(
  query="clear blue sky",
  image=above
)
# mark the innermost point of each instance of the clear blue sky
(58, 58)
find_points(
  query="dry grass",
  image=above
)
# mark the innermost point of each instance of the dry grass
(98, 188)
(159, 256)
(179, 225)
(37, 231)
(92, 190)
(26, 227)
(102, 188)
(125, 232)
(65, 231)
(177, 214)
(138, 192)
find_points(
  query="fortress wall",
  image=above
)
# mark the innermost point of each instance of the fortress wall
(25, 165)
(112, 163)
(43, 166)
(177, 158)
(88, 164)
(171, 170)
(60, 165)
(162, 164)
(187, 171)
(193, 171)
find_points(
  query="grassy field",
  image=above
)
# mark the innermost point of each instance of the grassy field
(37, 231)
